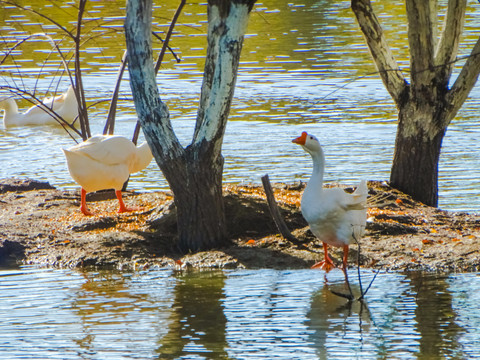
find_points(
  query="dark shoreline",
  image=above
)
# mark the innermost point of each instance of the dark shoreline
(40, 225)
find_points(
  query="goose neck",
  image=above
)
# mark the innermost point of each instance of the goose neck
(144, 156)
(11, 110)
(9, 105)
(318, 165)
(315, 183)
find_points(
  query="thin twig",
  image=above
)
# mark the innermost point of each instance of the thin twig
(358, 265)
(275, 212)
(112, 110)
(18, 43)
(136, 132)
(457, 59)
(175, 56)
(41, 15)
(369, 285)
(37, 102)
(84, 123)
(169, 35)
(363, 293)
(351, 296)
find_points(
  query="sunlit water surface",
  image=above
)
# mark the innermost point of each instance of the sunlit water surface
(304, 66)
(240, 314)
(302, 69)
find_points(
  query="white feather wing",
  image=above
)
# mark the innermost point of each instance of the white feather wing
(107, 150)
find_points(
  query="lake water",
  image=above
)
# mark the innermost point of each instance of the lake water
(240, 314)
(304, 67)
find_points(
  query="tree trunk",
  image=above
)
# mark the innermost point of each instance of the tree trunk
(427, 105)
(417, 151)
(199, 201)
(194, 173)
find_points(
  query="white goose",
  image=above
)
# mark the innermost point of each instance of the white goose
(105, 162)
(334, 216)
(64, 105)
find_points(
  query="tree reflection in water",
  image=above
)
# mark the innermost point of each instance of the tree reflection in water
(436, 319)
(238, 314)
(197, 323)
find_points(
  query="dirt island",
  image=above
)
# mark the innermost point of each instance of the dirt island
(42, 225)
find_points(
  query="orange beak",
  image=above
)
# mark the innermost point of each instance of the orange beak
(301, 139)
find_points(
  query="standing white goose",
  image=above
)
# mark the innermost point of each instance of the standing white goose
(334, 216)
(105, 162)
(64, 105)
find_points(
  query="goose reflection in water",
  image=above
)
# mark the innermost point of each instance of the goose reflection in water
(331, 316)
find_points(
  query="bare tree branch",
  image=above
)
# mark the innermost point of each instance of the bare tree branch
(112, 110)
(79, 92)
(385, 62)
(447, 48)
(465, 82)
(41, 15)
(33, 99)
(275, 212)
(221, 64)
(421, 44)
(152, 112)
(136, 131)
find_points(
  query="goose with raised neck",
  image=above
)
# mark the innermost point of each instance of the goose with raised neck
(335, 217)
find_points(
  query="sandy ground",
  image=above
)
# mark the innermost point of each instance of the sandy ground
(43, 226)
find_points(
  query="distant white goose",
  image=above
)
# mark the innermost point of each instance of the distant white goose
(64, 105)
(105, 162)
(335, 217)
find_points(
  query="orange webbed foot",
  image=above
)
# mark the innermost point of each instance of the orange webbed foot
(326, 265)
(85, 211)
(83, 204)
(122, 207)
